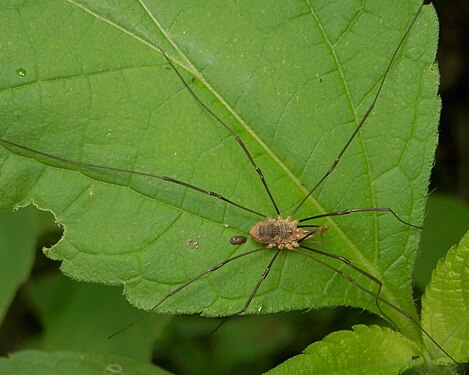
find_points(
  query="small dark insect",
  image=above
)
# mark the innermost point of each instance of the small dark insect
(238, 240)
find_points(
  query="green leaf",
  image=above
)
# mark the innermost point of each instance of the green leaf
(40, 363)
(437, 237)
(75, 316)
(293, 81)
(365, 350)
(445, 305)
(18, 232)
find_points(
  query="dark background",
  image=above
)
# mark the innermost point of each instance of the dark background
(451, 172)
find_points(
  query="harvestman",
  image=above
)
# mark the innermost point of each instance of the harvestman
(279, 232)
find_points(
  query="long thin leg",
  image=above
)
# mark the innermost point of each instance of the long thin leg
(362, 121)
(394, 307)
(349, 264)
(231, 131)
(352, 210)
(251, 296)
(258, 284)
(183, 286)
(121, 170)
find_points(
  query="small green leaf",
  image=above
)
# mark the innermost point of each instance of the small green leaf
(445, 305)
(445, 223)
(76, 316)
(59, 363)
(18, 233)
(365, 350)
(292, 80)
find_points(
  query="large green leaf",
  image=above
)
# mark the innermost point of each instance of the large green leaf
(445, 305)
(86, 80)
(365, 350)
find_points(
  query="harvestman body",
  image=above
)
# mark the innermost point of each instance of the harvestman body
(281, 233)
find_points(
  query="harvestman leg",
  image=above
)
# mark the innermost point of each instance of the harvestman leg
(353, 210)
(366, 290)
(253, 292)
(362, 121)
(178, 182)
(138, 173)
(356, 210)
(186, 284)
(259, 282)
(346, 261)
(349, 264)
(231, 131)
